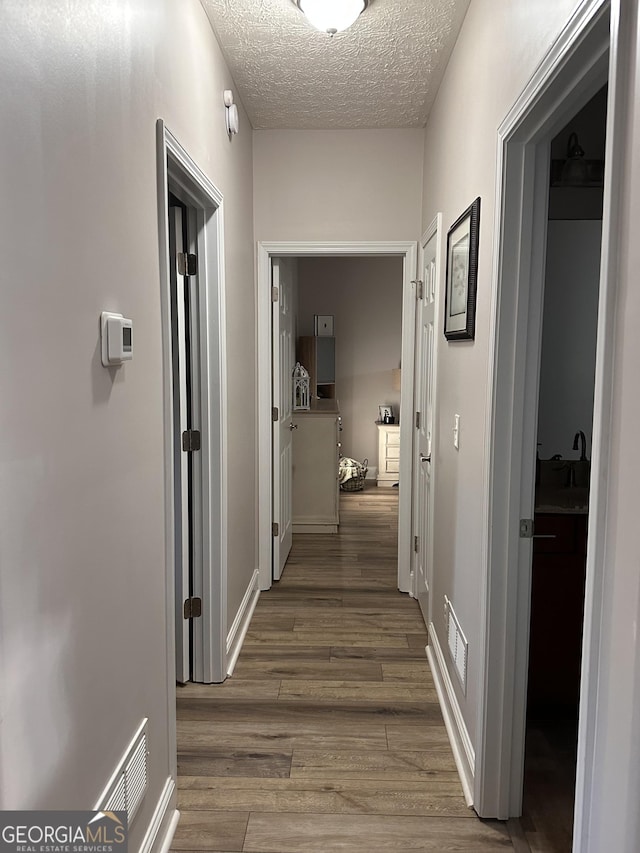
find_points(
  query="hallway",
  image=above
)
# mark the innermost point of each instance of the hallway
(329, 735)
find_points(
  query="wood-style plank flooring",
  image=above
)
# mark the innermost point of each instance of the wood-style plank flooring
(549, 785)
(329, 736)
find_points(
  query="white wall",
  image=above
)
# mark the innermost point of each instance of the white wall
(499, 47)
(82, 570)
(365, 297)
(337, 184)
(567, 367)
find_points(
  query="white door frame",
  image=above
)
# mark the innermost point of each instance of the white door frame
(434, 230)
(266, 250)
(210, 630)
(181, 364)
(282, 400)
(569, 75)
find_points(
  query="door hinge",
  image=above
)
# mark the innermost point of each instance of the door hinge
(274, 294)
(416, 544)
(526, 528)
(275, 414)
(191, 440)
(187, 263)
(419, 288)
(417, 420)
(275, 528)
(192, 608)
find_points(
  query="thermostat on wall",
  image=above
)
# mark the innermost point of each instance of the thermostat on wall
(117, 338)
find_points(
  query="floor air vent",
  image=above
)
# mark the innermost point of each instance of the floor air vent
(457, 642)
(128, 785)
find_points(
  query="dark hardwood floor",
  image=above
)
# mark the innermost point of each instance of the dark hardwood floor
(549, 784)
(329, 736)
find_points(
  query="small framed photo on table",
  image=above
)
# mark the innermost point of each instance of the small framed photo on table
(462, 276)
(385, 414)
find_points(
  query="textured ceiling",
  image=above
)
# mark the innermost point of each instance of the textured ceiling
(382, 72)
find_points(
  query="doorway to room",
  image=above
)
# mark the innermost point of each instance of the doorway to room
(580, 63)
(564, 439)
(340, 318)
(190, 215)
(268, 501)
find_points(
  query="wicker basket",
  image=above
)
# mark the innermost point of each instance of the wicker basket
(356, 484)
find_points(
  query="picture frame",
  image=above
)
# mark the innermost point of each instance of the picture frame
(385, 414)
(323, 325)
(462, 275)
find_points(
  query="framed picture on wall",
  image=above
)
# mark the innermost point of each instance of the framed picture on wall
(462, 276)
(323, 325)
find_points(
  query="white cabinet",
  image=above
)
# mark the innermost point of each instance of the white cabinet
(315, 469)
(388, 454)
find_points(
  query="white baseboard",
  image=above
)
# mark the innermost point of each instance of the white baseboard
(167, 840)
(163, 824)
(463, 752)
(240, 626)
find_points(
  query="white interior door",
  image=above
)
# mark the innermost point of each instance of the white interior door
(181, 467)
(425, 399)
(283, 364)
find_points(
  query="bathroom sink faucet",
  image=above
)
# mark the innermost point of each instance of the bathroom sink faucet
(580, 437)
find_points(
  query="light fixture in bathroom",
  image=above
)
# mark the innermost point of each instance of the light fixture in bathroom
(332, 16)
(575, 172)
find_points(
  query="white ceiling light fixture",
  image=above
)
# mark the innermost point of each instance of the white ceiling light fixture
(332, 16)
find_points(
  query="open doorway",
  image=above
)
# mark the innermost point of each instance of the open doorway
(564, 438)
(340, 318)
(190, 211)
(406, 254)
(580, 63)
(363, 298)
(187, 499)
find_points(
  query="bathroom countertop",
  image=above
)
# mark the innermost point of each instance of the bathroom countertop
(565, 501)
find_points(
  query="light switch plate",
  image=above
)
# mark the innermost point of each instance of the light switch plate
(456, 432)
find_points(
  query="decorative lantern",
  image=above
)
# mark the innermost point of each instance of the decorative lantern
(301, 395)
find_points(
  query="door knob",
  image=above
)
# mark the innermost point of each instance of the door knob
(293, 426)
(424, 458)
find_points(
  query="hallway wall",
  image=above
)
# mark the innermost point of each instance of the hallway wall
(499, 47)
(337, 184)
(82, 571)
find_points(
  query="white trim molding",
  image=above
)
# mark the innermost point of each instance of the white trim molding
(176, 167)
(163, 815)
(238, 630)
(266, 251)
(434, 229)
(463, 752)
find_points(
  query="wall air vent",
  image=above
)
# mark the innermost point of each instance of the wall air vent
(457, 643)
(128, 784)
